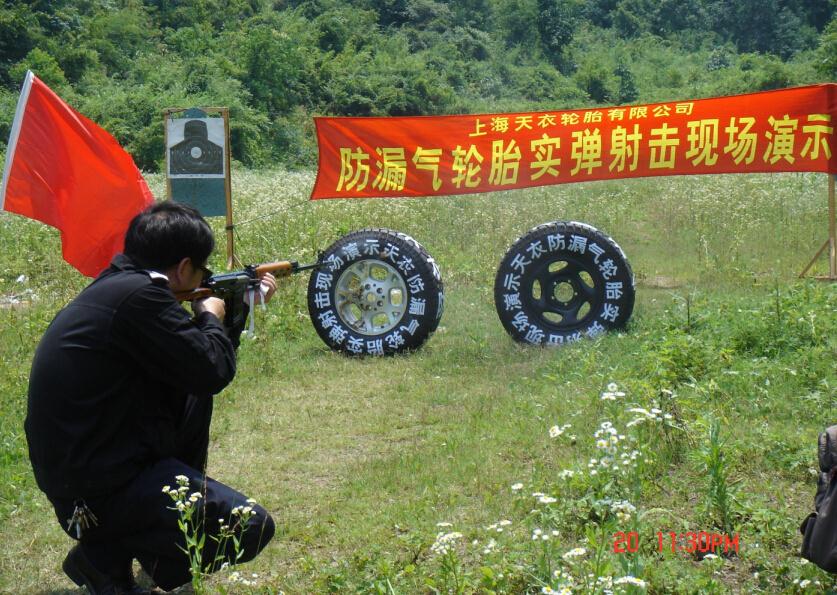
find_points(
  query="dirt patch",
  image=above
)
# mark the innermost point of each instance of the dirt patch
(16, 300)
(660, 282)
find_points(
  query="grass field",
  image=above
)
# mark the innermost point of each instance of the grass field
(393, 475)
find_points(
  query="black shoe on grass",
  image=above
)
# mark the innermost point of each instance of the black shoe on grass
(82, 572)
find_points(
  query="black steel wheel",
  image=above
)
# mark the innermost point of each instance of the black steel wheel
(563, 281)
(381, 293)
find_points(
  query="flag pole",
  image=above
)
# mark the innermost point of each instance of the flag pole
(832, 229)
(15, 133)
(231, 258)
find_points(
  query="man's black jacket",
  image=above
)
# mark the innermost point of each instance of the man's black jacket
(110, 377)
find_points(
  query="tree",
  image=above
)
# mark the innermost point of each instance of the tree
(594, 78)
(627, 91)
(826, 54)
(557, 20)
(275, 69)
(19, 34)
(44, 66)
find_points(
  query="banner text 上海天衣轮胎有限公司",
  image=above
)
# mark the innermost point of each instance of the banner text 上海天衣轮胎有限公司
(773, 131)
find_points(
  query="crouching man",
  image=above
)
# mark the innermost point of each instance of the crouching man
(120, 401)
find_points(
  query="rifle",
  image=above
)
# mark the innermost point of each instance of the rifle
(231, 287)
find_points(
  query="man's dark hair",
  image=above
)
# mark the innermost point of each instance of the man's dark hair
(165, 233)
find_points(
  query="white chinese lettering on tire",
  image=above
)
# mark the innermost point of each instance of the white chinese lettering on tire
(380, 293)
(561, 282)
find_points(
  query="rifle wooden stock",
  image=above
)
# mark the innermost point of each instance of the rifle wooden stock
(280, 268)
(193, 294)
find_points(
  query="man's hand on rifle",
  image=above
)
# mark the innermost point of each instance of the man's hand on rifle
(268, 288)
(213, 305)
(217, 306)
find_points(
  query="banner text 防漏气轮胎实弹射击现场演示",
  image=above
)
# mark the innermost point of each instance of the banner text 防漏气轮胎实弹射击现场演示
(772, 131)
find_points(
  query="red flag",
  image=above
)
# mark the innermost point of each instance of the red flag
(66, 171)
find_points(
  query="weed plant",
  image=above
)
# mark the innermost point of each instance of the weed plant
(479, 466)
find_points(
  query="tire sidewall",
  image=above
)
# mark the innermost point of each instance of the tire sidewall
(596, 253)
(424, 299)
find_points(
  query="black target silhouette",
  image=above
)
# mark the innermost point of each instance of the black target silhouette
(196, 154)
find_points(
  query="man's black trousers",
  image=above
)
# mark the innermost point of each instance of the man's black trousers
(137, 520)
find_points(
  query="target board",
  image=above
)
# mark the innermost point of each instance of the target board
(197, 160)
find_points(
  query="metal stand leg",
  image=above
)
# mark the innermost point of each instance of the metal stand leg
(831, 243)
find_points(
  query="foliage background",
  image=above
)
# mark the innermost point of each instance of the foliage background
(275, 64)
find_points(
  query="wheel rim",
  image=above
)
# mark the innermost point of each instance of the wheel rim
(370, 297)
(564, 293)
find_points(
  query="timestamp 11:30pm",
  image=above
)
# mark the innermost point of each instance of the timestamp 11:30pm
(704, 542)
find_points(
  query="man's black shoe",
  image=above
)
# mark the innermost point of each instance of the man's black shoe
(82, 572)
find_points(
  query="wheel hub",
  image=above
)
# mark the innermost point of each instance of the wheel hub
(562, 293)
(370, 297)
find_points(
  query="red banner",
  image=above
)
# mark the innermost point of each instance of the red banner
(773, 131)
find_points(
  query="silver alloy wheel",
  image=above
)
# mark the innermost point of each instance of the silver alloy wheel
(371, 297)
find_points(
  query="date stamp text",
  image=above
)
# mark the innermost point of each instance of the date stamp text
(702, 542)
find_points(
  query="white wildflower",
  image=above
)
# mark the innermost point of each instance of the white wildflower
(556, 431)
(623, 510)
(490, 547)
(516, 487)
(631, 580)
(547, 500)
(443, 543)
(574, 553)
(605, 581)
(612, 392)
